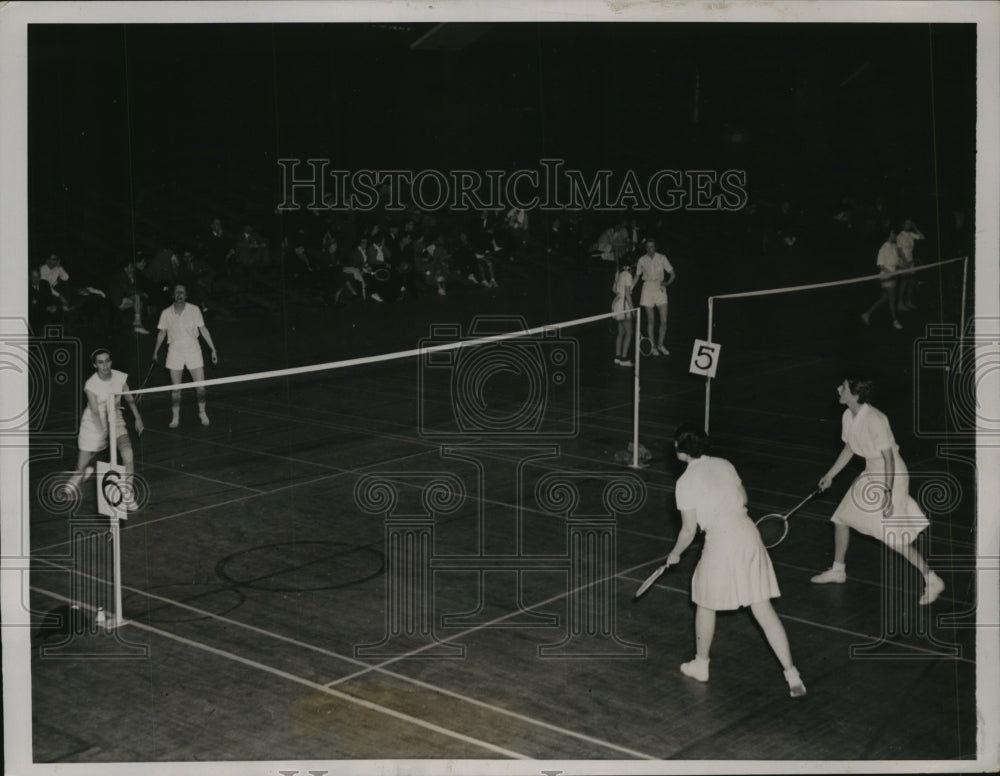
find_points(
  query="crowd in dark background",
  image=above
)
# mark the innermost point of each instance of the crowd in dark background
(334, 259)
(147, 168)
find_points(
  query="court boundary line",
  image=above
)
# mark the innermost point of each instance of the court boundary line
(360, 663)
(282, 674)
(197, 476)
(380, 668)
(336, 472)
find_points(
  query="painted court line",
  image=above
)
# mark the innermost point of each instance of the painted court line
(201, 477)
(257, 494)
(334, 693)
(402, 677)
(824, 626)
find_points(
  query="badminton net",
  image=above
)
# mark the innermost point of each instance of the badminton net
(497, 380)
(816, 324)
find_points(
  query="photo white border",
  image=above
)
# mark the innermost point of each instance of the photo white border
(14, 18)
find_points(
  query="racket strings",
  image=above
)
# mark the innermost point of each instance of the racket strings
(773, 529)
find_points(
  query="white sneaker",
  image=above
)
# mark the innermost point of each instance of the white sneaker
(138, 329)
(442, 292)
(472, 279)
(204, 418)
(935, 586)
(174, 423)
(897, 325)
(836, 576)
(626, 362)
(796, 688)
(696, 669)
(618, 361)
(664, 351)
(377, 298)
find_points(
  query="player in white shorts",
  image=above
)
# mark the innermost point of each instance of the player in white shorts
(180, 324)
(93, 436)
(656, 273)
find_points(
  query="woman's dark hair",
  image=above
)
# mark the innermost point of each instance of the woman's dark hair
(691, 439)
(862, 388)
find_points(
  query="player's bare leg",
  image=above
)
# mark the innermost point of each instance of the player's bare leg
(776, 637)
(176, 376)
(198, 375)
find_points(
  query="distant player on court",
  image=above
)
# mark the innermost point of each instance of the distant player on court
(656, 273)
(93, 436)
(180, 324)
(621, 305)
(735, 569)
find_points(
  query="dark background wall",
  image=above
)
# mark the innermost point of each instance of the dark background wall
(123, 118)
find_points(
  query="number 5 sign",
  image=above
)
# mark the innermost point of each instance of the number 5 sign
(704, 358)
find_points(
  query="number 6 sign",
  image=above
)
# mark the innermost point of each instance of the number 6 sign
(704, 358)
(112, 492)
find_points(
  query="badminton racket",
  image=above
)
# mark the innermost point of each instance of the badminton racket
(773, 528)
(649, 582)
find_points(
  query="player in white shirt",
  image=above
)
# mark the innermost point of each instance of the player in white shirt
(93, 436)
(906, 240)
(887, 263)
(621, 306)
(880, 493)
(734, 570)
(656, 273)
(180, 324)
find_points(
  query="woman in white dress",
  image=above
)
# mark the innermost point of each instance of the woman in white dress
(621, 306)
(735, 569)
(881, 492)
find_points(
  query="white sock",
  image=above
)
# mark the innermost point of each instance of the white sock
(839, 566)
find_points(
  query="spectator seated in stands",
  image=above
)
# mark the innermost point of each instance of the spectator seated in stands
(53, 273)
(252, 256)
(614, 243)
(126, 295)
(163, 272)
(44, 308)
(432, 266)
(218, 248)
(197, 276)
(360, 270)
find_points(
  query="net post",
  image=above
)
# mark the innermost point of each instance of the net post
(112, 431)
(961, 313)
(635, 403)
(708, 380)
(115, 620)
